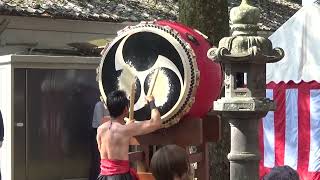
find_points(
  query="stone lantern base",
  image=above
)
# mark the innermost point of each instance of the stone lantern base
(244, 104)
(244, 115)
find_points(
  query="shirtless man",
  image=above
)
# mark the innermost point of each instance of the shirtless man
(113, 137)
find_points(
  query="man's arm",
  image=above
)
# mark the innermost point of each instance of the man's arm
(105, 119)
(145, 127)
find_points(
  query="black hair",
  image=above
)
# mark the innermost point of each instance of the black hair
(168, 162)
(282, 173)
(117, 101)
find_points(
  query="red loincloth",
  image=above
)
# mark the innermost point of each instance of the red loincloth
(115, 167)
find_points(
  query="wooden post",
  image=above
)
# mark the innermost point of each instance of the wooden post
(202, 171)
(143, 164)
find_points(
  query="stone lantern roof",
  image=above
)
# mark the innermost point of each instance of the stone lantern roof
(273, 13)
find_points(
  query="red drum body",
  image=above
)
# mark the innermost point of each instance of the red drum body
(187, 82)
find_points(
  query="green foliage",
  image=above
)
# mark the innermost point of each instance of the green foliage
(208, 16)
(212, 19)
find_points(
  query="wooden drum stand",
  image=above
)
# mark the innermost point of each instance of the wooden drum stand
(188, 132)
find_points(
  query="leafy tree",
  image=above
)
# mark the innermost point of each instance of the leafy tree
(212, 19)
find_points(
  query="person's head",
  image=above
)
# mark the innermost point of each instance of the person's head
(117, 103)
(170, 163)
(282, 173)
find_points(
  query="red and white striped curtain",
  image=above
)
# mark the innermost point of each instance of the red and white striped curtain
(291, 134)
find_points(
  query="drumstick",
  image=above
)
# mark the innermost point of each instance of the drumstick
(127, 82)
(132, 96)
(153, 82)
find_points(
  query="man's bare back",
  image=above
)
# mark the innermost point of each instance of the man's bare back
(113, 136)
(113, 144)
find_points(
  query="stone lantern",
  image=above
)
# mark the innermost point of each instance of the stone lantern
(247, 53)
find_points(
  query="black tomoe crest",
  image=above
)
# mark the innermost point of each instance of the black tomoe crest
(147, 51)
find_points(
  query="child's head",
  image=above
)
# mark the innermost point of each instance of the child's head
(170, 163)
(282, 173)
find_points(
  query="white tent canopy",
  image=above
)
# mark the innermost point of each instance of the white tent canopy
(300, 39)
(307, 2)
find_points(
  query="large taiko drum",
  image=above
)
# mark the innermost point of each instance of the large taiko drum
(187, 81)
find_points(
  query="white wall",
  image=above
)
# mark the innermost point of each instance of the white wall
(6, 106)
(7, 63)
(32, 32)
